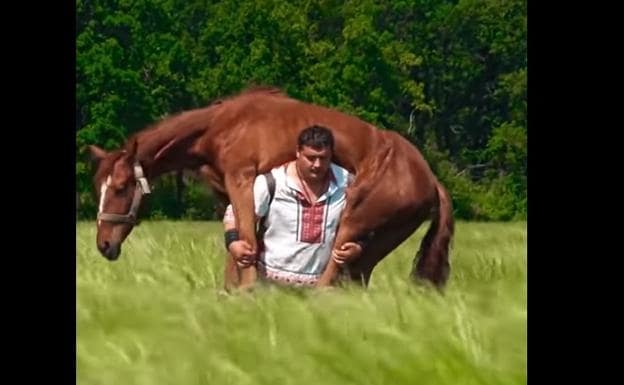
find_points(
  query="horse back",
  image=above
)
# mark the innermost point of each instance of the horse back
(263, 131)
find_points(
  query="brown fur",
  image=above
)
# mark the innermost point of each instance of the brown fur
(236, 138)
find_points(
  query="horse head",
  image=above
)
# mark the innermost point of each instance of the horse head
(120, 183)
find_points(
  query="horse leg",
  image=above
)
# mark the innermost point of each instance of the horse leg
(240, 189)
(349, 230)
(345, 233)
(357, 218)
(384, 241)
(231, 275)
(431, 262)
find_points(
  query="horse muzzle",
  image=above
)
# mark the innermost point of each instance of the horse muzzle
(109, 250)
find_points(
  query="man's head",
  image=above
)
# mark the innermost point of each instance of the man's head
(315, 148)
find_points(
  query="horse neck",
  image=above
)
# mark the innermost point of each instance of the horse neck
(169, 146)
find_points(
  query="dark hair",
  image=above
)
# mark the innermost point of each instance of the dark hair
(316, 136)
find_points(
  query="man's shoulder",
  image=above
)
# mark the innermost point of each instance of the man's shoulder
(274, 172)
(341, 175)
(274, 176)
(279, 170)
(337, 168)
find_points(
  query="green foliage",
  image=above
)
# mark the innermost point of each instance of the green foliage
(458, 68)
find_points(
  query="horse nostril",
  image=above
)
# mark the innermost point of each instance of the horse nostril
(104, 246)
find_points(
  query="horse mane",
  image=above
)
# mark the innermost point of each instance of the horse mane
(173, 127)
(168, 126)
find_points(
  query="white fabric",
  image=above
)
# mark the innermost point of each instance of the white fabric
(288, 256)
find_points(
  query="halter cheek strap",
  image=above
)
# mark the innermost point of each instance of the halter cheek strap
(141, 179)
(141, 188)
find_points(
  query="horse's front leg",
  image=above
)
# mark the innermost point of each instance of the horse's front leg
(353, 225)
(240, 190)
(361, 216)
(346, 233)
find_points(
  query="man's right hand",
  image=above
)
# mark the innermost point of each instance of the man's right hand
(242, 253)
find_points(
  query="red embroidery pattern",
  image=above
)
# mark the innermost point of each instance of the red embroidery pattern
(285, 277)
(312, 222)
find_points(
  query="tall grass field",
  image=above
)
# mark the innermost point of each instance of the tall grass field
(158, 315)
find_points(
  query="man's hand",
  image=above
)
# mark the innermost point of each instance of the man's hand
(346, 252)
(242, 253)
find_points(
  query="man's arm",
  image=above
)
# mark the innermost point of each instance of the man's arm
(240, 250)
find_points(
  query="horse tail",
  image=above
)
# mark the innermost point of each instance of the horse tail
(432, 260)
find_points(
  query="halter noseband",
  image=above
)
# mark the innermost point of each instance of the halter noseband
(141, 188)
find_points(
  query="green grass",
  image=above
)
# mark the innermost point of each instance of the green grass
(158, 315)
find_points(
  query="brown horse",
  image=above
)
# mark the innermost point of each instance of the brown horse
(234, 139)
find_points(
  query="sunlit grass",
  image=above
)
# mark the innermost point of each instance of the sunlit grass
(158, 315)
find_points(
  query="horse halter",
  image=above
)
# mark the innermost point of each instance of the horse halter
(141, 188)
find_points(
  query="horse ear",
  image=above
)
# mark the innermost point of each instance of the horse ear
(97, 154)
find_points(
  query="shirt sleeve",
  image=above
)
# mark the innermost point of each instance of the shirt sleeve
(350, 179)
(229, 220)
(261, 202)
(261, 196)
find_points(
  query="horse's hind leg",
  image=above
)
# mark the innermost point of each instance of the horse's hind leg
(231, 276)
(240, 190)
(379, 246)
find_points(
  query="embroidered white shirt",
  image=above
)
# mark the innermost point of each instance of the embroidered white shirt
(299, 236)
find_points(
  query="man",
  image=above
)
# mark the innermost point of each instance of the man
(300, 221)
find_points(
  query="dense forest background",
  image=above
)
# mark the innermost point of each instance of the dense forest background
(451, 76)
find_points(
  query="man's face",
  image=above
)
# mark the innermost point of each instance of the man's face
(313, 163)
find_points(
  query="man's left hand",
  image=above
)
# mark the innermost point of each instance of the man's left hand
(346, 252)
